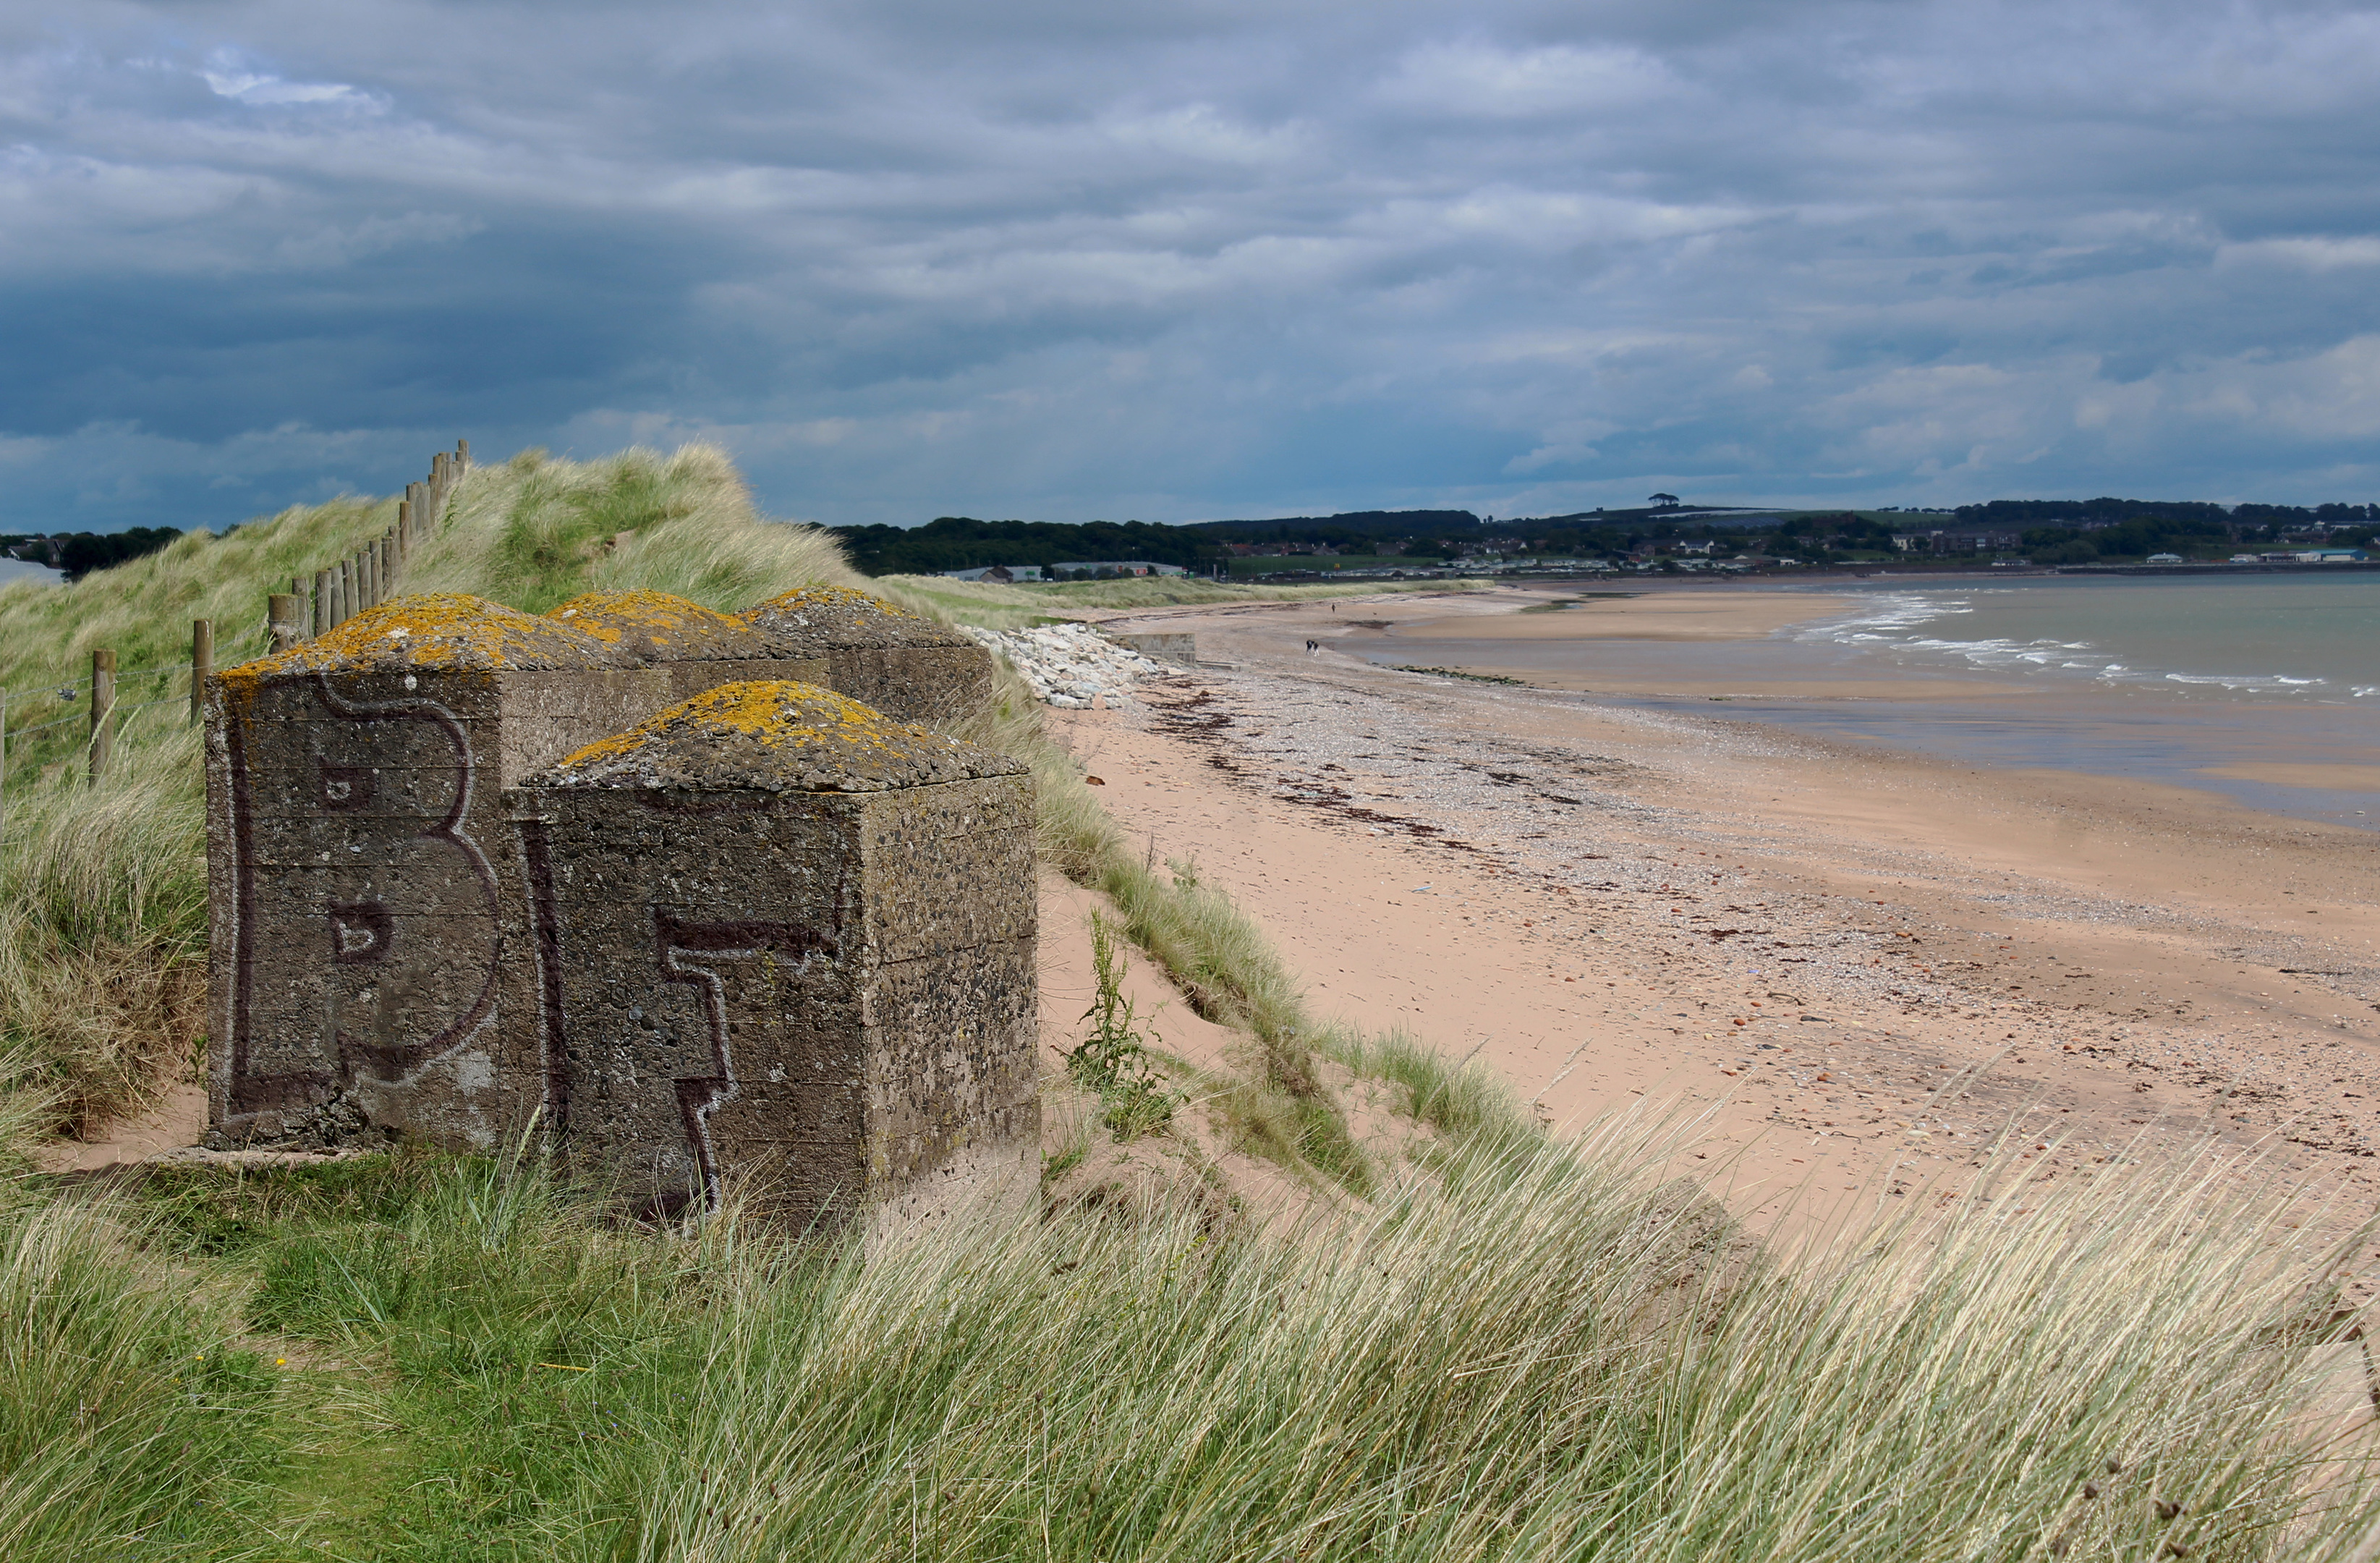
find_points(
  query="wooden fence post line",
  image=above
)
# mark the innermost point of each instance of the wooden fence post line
(202, 665)
(102, 705)
(281, 620)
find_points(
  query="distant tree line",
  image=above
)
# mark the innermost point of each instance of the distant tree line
(79, 553)
(2050, 532)
(957, 543)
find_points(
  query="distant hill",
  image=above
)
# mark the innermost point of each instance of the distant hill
(957, 543)
(2131, 526)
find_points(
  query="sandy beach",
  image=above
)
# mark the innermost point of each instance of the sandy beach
(1856, 965)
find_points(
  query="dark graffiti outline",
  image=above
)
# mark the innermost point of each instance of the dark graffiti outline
(700, 1096)
(545, 924)
(256, 1092)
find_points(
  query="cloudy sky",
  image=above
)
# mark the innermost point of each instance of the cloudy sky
(1066, 259)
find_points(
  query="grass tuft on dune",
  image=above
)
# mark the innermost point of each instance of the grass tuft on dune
(1537, 1351)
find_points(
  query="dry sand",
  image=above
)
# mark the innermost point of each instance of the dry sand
(1857, 965)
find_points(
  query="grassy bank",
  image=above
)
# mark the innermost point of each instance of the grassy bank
(1534, 1353)
(995, 606)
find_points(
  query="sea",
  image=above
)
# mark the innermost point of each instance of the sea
(2264, 688)
(2157, 678)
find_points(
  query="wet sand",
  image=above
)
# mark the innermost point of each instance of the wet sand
(1857, 964)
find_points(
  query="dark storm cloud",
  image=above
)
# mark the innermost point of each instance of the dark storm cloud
(1198, 259)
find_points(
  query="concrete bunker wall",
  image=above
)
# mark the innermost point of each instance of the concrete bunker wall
(368, 891)
(694, 647)
(794, 949)
(471, 869)
(910, 668)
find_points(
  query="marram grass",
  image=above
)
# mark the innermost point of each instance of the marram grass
(1547, 1353)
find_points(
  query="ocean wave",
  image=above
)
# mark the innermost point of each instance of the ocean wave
(1921, 626)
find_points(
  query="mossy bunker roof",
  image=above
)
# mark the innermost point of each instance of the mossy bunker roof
(779, 737)
(817, 619)
(656, 626)
(444, 631)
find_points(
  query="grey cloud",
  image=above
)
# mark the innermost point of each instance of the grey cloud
(1075, 259)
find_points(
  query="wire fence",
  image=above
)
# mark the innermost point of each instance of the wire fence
(313, 606)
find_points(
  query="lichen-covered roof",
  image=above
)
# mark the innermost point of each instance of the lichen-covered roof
(656, 626)
(780, 737)
(442, 631)
(821, 619)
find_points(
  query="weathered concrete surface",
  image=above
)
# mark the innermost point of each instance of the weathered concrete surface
(794, 945)
(371, 963)
(910, 668)
(698, 649)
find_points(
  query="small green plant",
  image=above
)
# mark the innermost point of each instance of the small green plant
(1113, 1060)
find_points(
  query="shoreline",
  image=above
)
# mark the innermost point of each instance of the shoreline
(1799, 940)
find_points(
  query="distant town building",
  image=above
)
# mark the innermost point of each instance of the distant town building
(1952, 542)
(1002, 573)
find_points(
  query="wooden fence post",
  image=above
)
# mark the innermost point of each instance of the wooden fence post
(281, 620)
(103, 706)
(463, 452)
(325, 610)
(405, 522)
(305, 595)
(202, 665)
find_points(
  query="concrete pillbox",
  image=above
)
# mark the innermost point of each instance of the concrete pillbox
(371, 959)
(910, 668)
(794, 949)
(697, 648)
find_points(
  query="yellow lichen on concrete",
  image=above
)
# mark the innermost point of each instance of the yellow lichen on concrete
(609, 616)
(774, 711)
(441, 630)
(843, 598)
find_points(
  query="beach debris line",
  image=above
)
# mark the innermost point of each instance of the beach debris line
(1470, 678)
(1070, 665)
